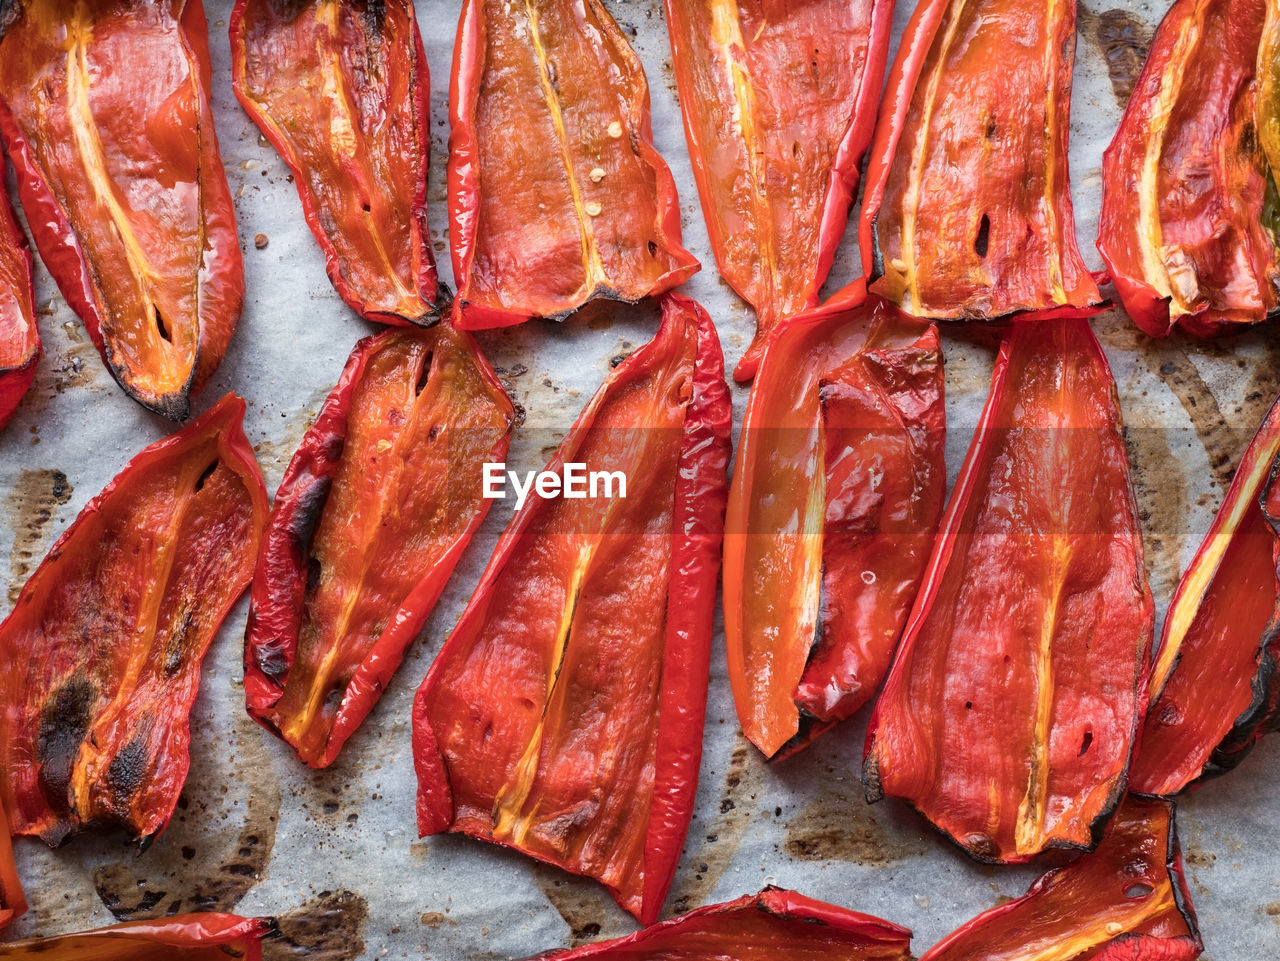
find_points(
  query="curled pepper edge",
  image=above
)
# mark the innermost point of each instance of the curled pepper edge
(304, 490)
(935, 571)
(60, 248)
(913, 51)
(418, 205)
(435, 807)
(463, 186)
(778, 902)
(183, 931)
(15, 381)
(1177, 883)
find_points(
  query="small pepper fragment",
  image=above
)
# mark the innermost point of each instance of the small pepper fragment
(564, 715)
(556, 193)
(1189, 208)
(342, 92)
(1215, 686)
(183, 937)
(967, 211)
(13, 902)
(1127, 901)
(846, 418)
(1009, 714)
(101, 654)
(19, 335)
(779, 101)
(374, 511)
(776, 925)
(122, 183)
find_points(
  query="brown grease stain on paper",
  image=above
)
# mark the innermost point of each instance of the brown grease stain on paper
(329, 927)
(30, 507)
(834, 827)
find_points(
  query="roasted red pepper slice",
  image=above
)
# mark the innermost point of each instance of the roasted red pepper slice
(1188, 207)
(776, 925)
(1009, 714)
(19, 335)
(101, 653)
(123, 187)
(184, 937)
(815, 599)
(578, 205)
(563, 716)
(779, 102)
(341, 90)
(1215, 687)
(1127, 901)
(373, 513)
(967, 212)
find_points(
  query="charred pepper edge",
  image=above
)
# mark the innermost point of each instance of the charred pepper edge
(935, 571)
(418, 207)
(463, 184)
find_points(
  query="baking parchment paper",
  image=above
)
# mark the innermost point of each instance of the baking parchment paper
(335, 853)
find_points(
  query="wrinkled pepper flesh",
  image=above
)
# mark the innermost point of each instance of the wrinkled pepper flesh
(1189, 206)
(1215, 685)
(576, 205)
(967, 211)
(341, 90)
(19, 335)
(774, 925)
(101, 654)
(1127, 901)
(185, 937)
(846, 419)
(1009, 714)
(374, 511)
(123, 186)
(563, 716)
(779, 102)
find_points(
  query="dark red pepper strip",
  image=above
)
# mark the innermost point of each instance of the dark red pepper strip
(580, 205)
(1010, 712)
(1215, 686)
(13, 903)
(564, 714)
(100, 657)
(183, 937)
(341, 90)
(1127, 901)
(1188, 209)
(134, 220)
(779, 102)
(774, 925)
(19, 336)
(967, 211)
(375, 509)
(816, 599)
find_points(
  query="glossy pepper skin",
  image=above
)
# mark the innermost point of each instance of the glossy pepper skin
(846, 418)
(578, 204)
(101, 653)
(776, 925)
(1188, 208)
(184, 937)
(19, 335)
(779, 102)
(1009, 714)
(341, 90)
(122, 183)
(13, 903)
(374, 511)
(563, 716)
(1215, 686)
(967, 210)
(1127, 901)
